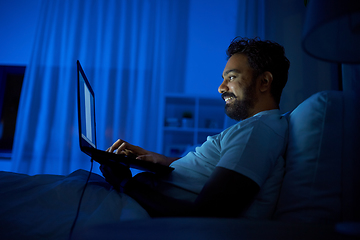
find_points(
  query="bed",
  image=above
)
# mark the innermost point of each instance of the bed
(318, 199)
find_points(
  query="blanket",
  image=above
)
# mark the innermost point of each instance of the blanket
(44, 206)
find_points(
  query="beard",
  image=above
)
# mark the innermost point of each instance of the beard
(240, 109)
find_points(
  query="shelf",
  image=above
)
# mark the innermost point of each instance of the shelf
(183, 129)
(210, 130)
(207, 119)
(179, 129)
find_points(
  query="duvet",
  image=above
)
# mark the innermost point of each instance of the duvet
(45, 206)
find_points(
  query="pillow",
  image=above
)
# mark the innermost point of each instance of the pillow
(311, 189)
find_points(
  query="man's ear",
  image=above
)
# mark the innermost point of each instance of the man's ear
(265, 81)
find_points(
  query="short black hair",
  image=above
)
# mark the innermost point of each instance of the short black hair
(264, 56)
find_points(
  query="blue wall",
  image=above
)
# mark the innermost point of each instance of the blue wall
(212, 25)
(18, 20)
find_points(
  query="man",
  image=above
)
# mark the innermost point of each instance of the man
(237, 173)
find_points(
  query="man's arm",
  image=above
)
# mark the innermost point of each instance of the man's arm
(226, 194)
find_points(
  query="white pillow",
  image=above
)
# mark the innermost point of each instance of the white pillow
(311, 190)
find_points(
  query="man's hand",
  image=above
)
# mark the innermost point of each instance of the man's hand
(122, 147)
(116, 175)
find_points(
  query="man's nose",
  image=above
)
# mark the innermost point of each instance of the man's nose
(223, 87)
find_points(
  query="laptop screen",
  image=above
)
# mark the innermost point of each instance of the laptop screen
(86, 109)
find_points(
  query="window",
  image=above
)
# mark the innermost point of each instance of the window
(11, 79)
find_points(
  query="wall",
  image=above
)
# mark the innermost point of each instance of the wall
(212, 26)
(284, 24)
(18, 20)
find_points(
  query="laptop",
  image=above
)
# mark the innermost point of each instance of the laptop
(87, 132)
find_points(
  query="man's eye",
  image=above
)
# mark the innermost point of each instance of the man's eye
(231, 78)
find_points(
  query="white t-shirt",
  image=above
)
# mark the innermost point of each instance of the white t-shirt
(252, 147)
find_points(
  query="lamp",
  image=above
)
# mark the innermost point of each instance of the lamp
(332, 30)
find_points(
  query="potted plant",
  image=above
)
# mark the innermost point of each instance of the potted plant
(187, 120)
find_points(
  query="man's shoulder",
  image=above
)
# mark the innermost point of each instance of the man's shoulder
(271, 120)
(275, 121)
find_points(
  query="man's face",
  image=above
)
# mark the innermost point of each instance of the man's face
(238, 88)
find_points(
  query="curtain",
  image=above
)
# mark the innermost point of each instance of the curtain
(132, 51)
(251, 18)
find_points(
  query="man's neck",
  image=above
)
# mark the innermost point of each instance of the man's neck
(263, 106)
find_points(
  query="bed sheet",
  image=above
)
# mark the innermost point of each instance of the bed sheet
(44, 206)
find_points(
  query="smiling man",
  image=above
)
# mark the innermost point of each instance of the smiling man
(236, 173)
(238, 88)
